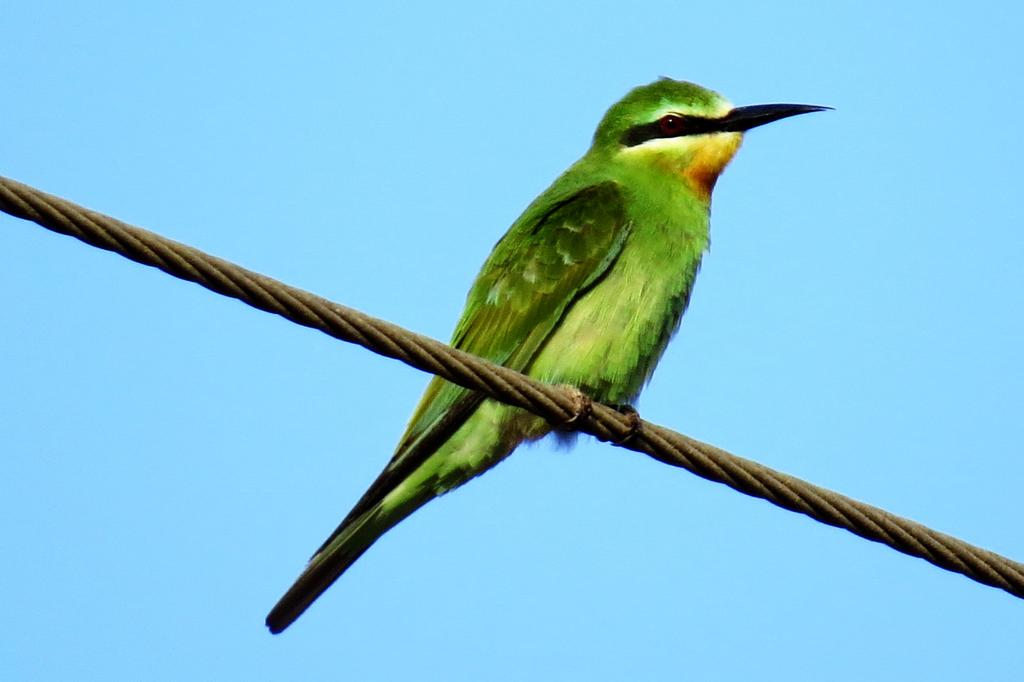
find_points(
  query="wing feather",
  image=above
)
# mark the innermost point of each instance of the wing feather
(542, 265)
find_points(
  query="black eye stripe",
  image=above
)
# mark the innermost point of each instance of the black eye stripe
(692, 125)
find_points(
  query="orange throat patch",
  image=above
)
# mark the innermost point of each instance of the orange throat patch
(710, 158)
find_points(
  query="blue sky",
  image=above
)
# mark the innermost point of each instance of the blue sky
(171, 457)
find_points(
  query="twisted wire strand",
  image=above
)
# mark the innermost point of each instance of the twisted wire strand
(556, 404)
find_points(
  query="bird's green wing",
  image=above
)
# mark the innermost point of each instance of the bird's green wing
(546, 261)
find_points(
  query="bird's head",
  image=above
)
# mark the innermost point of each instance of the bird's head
(682, 129)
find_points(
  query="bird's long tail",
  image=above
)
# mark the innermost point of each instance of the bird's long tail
(327, 565)
(484, 440)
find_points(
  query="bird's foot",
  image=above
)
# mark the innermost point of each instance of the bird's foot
(632, 419)
(581, 407)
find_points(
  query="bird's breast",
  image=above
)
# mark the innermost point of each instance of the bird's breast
(610, 339)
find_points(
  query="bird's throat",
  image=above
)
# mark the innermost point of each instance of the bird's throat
(710, 157)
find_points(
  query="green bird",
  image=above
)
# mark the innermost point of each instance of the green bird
(585, 289)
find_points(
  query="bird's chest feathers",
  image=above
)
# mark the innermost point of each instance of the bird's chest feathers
(611, 337)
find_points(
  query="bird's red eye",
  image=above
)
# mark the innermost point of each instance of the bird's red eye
(671, 125)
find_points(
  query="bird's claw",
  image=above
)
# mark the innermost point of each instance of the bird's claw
(633, 423)
(581, 407)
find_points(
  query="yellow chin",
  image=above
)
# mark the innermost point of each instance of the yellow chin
(711, 154)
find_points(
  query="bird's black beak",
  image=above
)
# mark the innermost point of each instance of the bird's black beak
(742, 119)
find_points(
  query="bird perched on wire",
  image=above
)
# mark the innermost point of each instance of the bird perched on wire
(585, 289)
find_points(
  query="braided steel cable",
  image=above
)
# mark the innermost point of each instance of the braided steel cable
(556, 404)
